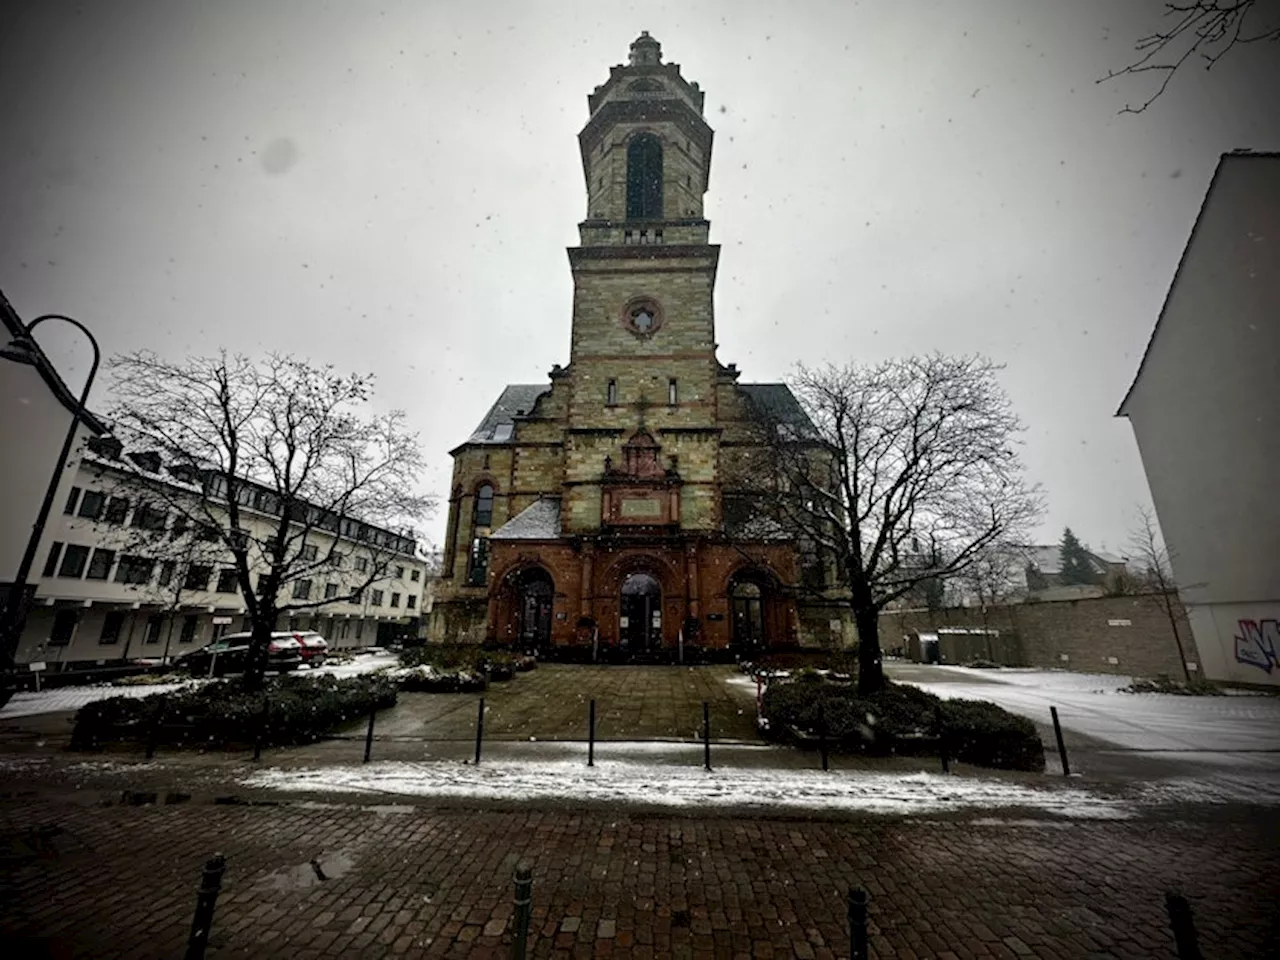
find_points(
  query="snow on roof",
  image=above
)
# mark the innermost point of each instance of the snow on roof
(516, 399)
(538, 521)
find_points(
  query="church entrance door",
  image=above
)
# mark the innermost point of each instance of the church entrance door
(533, 609)
(640, 623)
(747, 604)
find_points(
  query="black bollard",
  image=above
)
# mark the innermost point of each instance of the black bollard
(822, 736)
(942, 742)
(153, 734)
(858, 900)
(706, 734)
(591, 735)
(479, 730)
(524, 906)
(1184, 926)
(1062, 747)
(368, 737)
(206, 900)
(262, 730)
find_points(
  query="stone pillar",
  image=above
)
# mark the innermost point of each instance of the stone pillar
(588, 578)
(691, 578)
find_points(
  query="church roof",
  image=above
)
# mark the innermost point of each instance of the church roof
(516, 399)
(538, 521)
(776, 401)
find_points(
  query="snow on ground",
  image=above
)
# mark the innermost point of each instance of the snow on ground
(612, 781)
(73, 698)
(1092, 704)
(363, 663)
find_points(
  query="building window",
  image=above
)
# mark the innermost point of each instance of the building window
(611, 393)
(155, 623)
(330, 591)
(336, 559)
(376, 599)
(197, 577)
(673, 394)
(479, 570)
(100, 565)
(357, 596)
(415, 575)
(180, 526)
(166, 573)
(117, 510)
(147, 517)
(91, 504)
(302, 589)
(309, 551)
(410, 601)
(72, 498)
(359, 628)
(208, 533)
(644, 178)
(73, 561)
(362, 564)
(399, 572)
(51, 563)
(484, 505)
(111, 625)
(395, 599)
(135, 570)
(189, 624)
(228, 580)
(64, 627)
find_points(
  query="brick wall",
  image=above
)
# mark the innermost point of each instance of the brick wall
(1081, 631)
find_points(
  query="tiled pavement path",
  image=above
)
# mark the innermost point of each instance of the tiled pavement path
(416, 882)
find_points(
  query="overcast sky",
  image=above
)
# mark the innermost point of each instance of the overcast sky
(391, 187)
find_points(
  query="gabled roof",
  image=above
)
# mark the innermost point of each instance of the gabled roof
(538, 521)
(15, 328)
(776, 401)
(515, 399)
(1231, 156)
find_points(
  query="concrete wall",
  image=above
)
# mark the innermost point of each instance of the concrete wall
(1080, 635)
(1205, 413)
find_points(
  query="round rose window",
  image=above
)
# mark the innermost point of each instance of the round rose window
(642, 316)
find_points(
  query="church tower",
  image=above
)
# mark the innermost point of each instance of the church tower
(595, 514)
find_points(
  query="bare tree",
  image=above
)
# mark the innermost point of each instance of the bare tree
(1150, 553)
(992, 578)
(909, 474)
(277, 463)
(1208, 29)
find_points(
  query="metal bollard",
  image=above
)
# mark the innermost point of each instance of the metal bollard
(206, 900)
(706, 735)
(262, 730)
(479, 730)
(942, 742)
(1062, 747)
(368, 737)
(1184, 926)
(858, 900)
(822, 736)
(591, 735)
(153, 734)
(524, 906)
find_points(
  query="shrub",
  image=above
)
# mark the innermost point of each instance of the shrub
(224, 713)
(428, 679)
(1198, 687)
(901, 719)
(444, 659)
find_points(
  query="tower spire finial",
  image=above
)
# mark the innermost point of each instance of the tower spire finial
(646, 51)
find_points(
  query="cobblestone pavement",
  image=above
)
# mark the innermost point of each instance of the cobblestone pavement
(119, 881)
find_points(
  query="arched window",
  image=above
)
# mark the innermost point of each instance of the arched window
(484, 505)
(644, 178)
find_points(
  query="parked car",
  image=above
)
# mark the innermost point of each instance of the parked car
(315, 648)
(230, 654)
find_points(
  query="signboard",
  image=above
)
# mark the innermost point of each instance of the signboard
(625, 621)
(1112, 660)
(715, 616)
(1191, 666)
(37, 665)
(1119, 623)
(1063, 657)
(221, 620)
(638, 507)
(657, 618)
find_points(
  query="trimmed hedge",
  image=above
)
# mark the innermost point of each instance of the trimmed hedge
(462, 659)
(223, 713)
(902, 719)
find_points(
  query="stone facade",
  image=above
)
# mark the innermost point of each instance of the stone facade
(589, 509)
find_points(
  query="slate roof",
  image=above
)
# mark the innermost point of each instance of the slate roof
(1048, 558)
(538, 521)
(775, 400)
(515, 398)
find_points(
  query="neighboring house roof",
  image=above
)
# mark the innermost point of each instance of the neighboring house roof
(1047, 558)
(516, 399)
(15, 327)
(1234, 156)
(538, 521)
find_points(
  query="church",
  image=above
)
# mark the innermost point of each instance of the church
(596, 511)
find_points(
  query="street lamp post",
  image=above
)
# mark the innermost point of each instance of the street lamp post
(23, 349)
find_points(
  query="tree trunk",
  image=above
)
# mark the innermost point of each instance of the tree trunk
(870, 663)
(255, 671)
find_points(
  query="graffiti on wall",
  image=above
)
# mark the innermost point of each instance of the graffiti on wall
(1258, 643)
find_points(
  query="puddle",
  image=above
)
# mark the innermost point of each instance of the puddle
(322, 869)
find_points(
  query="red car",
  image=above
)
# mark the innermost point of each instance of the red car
(315, 648)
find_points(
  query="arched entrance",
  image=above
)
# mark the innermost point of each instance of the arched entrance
(752, 611)
(535, 595)
(640, 614)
